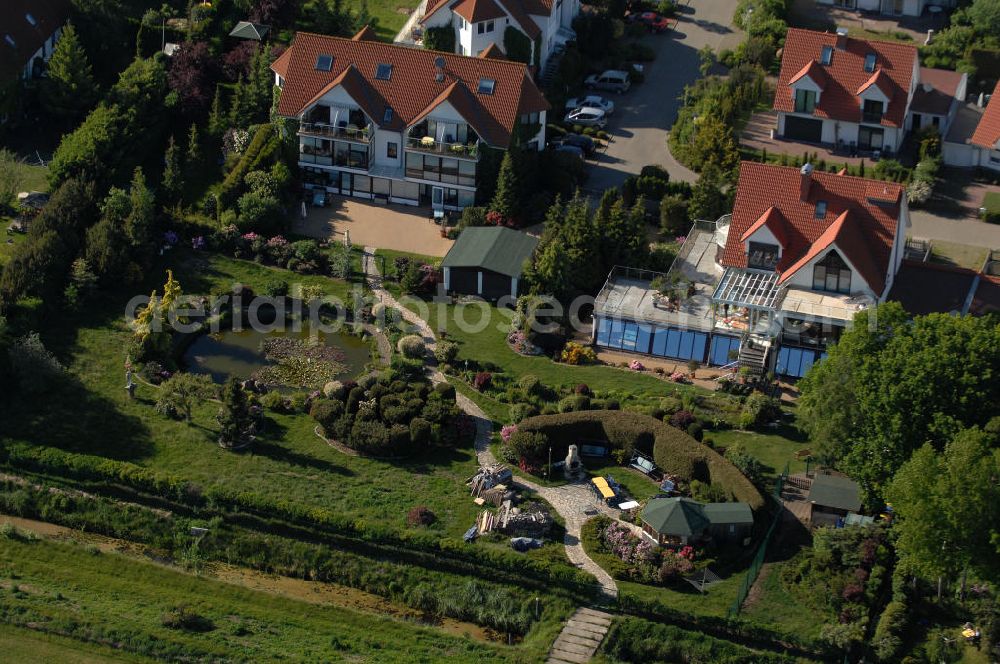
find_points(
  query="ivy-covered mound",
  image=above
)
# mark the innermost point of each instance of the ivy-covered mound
(299, 363)
(673, 451)
(393, 413)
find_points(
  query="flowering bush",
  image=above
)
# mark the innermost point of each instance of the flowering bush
(198, 242)
(276, 241)
(250, 237)
(682, 419)
(494, 218)
(520, 343)
(507, 431)
(678, 377)
(680, 239)
(574, 353)
(636, 365)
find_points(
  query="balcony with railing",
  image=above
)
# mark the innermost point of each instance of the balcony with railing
(342, 131)
(331, 153)
(430, 145)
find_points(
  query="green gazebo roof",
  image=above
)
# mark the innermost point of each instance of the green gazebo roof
(494, 248)
(675, 516)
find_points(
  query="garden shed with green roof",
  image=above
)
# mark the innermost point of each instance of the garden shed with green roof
(487, 261)
(679, 521)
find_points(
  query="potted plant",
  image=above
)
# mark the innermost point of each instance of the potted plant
(693, 366)
(744, 375)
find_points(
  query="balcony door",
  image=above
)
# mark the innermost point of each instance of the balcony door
(437, 198)
(870, 138)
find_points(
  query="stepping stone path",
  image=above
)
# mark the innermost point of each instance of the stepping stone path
(580, 638)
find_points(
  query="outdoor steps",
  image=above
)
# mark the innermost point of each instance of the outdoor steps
(752, 358)
(580, 638)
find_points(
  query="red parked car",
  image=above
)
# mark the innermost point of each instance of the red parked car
(654, 21)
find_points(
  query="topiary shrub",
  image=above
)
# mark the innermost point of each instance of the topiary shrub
(326, 412)
(420, 432)
(682, 419)
(411, 346)
(446, 390)
(335, 390)
(759, 410)
(530, 385)
(574, 403)
(583, 389)
(445, 352)
(520, 411)
(696, 431)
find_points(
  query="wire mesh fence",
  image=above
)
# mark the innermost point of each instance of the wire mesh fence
(758, 559)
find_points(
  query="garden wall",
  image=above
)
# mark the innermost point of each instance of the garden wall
(674, 451)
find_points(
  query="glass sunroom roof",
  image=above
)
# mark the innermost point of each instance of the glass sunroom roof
(746, 287)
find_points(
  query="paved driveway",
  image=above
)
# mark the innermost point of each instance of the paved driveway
(397, 227)
(644, 115)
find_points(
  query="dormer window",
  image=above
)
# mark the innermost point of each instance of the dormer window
(872, 111)
(826, 57)
(387, 116)
(805, 101)
(324, 62)
(832, 274)
(820, 209)
(485, 27)
(31, 19)
(870, 63)
(10, 41)
(762, 256)
(383, 72)
(486, 86)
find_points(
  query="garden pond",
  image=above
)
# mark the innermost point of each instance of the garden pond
(281, 358)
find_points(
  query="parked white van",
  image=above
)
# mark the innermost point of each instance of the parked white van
(613, 79)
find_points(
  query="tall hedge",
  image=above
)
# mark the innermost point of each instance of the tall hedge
(673, 450)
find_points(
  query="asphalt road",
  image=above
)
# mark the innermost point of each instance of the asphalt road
(644, 114)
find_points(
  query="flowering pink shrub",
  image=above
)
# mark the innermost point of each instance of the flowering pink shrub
(276, 241)
(507, 431)
(250, 237)
(636, 365)
(680, 239)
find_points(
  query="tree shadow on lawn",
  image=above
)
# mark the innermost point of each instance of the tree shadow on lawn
(73, 418)
(280, 454)
(433, 459)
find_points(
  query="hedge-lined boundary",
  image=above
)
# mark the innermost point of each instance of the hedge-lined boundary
(80, 467)
(674, 451)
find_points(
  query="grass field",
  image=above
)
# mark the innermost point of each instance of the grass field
(65, 588)
(89, 412)
(29, 647)
(8, 242)
(961, 255)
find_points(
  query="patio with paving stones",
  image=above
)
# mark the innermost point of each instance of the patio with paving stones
(396, 227)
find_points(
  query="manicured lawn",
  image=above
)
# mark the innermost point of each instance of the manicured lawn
(772, 447)
(8, 242)
(122, 600)
(36, 178)
(638, 485)
(89, 412)
(772, 605)
(683, 596)
(481, 333)
(390, 256)
(390, 14)
(962, 255)
(27, 646)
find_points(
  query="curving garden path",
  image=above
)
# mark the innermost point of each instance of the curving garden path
(574, 502)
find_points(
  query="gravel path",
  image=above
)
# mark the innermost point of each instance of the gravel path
(574, 502)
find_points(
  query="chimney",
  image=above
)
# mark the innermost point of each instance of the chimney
(439, 69)
(841, 39)
(805, 181)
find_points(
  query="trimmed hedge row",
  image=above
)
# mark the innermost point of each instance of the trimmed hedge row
(674, 451)
(263, 145)
(57, 463)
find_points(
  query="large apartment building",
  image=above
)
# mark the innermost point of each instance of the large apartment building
(400, 124)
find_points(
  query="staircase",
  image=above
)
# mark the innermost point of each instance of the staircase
(552, 64)
(753, 355)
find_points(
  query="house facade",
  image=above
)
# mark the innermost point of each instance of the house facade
(770, 286)
(977, 144)
(889, 7)
(860, 95)
(402, 125)
(479, 24)
(29, 30)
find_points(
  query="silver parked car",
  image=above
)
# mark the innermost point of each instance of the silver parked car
(592, 101)
(613, 79)
(587, 117)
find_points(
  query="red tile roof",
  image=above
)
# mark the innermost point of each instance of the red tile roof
(813, 70)
(774, 221)
(365, 34)
(493, 51)
(49, 15)
(520, 11)
(413, 86)
(280, 64)
(476, 11)
(988, 131)
(864, 234)
(846, 75)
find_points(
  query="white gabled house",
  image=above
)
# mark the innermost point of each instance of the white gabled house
(479, 24)
(399, 124)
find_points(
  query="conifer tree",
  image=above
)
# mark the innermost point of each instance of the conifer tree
(193, 155)
(69, 90)
(236, 423)
(216, 117)
(172, 175)
(505, 200)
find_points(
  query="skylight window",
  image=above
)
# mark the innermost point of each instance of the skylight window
(827, 55)
(820, 209)
(383, 72)
(870, 62)
(30, 19)
(387, 117)
(324, 62)
(486, 86)
(10, 41)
